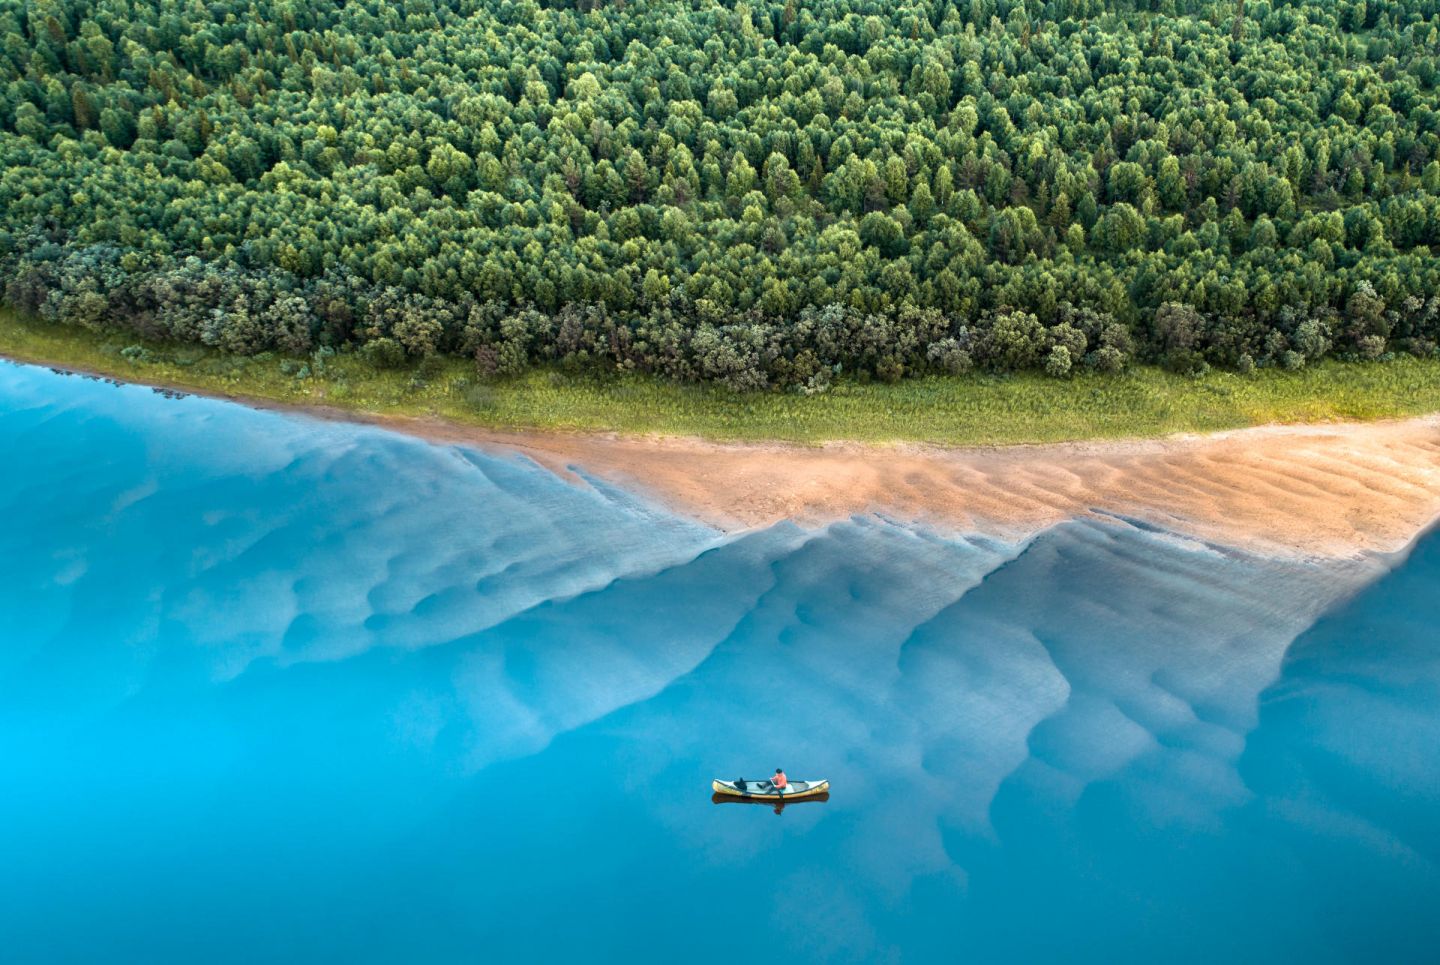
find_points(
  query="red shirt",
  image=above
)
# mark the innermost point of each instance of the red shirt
(779, 780)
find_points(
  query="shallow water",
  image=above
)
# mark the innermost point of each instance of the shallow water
(279, 689)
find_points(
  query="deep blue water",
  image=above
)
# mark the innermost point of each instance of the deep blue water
(275, 689)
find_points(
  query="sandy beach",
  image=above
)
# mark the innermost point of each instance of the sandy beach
(1305, 490)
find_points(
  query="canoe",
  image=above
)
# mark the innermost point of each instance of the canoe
(765, 791)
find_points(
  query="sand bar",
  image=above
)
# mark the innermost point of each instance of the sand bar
(1307, 490)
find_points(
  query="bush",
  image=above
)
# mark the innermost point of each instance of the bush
(1312, 339)
(949, 357)
(1014, 341)
(1370, 347)
(383, 353)
(1186, 362)
(1107, 359)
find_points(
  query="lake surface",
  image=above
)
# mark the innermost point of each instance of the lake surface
(276, 689)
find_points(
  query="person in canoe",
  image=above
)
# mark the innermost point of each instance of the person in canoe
(779, 780)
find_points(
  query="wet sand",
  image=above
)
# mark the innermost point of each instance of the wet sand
(1307, 490)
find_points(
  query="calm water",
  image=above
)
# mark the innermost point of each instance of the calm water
(276, 689)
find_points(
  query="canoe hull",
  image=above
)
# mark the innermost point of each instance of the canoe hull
(776, 803)
(811, 789)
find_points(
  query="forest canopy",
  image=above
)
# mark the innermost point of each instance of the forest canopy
(763, 194)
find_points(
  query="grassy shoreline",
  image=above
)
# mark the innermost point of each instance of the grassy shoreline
(972, 410)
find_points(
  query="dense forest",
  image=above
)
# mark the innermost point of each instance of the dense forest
(763, 194)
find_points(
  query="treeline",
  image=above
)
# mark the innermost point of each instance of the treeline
(763, 194)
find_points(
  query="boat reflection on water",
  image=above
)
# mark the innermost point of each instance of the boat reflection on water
(776, 805)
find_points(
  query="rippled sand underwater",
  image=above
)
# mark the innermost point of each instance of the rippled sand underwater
(275, 688)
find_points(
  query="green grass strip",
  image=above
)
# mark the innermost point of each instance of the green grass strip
(969, 410)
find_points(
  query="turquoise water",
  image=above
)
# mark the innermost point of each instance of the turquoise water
(275, 689)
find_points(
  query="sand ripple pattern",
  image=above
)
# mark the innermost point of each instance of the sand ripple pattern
(1331, 490)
